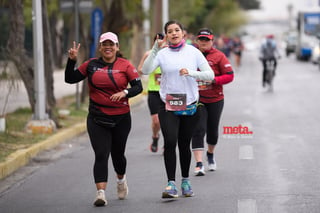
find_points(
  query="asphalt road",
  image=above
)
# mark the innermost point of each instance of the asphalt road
(273, 170)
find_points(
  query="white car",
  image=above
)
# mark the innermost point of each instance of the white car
(315, 57)
(291, 42)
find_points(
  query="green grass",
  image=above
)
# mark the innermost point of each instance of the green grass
(15, 137)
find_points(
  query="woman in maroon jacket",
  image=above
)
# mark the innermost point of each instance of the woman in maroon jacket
(109, 119)
(211, 101)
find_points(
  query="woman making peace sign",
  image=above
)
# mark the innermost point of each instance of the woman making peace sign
(109, 119)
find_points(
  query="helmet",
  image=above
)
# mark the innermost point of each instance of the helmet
(270, 36)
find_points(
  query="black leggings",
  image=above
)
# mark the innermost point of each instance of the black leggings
(106, 140)
(176, 130)
(154, 102)
(208, 124)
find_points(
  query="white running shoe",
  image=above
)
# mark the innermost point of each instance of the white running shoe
(199, 171)
(100, 199)
(123, 190)
(212, 164)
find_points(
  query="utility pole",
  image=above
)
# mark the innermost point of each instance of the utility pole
(40, 122)
(290, 17)
(39, 113)
(76, 27)
(165, 12)
(146, 23)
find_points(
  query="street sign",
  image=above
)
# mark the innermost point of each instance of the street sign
(85, 6)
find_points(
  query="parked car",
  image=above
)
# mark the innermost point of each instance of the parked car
(315, 57)
(291, 42)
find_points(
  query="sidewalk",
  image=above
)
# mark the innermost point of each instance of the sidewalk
(19, 98)
(22, 157)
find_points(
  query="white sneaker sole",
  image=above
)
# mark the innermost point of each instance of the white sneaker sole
(166, 195)
(212, 168)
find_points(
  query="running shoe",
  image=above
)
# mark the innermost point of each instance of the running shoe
(199, 171)
(212, 162)
(186, 188)
(122, 189)
(170, 191)
(100, 199)
(154, 144)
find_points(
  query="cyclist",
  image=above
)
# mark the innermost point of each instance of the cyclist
(268, 52)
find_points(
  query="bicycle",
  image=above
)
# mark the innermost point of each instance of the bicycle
(270, 65)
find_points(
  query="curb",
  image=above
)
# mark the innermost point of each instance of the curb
(22, 157)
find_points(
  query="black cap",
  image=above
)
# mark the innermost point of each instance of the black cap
(205, 32)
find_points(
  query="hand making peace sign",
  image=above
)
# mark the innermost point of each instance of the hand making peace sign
(73, 51)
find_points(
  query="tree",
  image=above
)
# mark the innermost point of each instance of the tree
(223, 16)
(18, 54)
(249, 4)
(188, 15)
(16, 50)
(125, 17)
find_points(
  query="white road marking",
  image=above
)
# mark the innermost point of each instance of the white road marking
(246, 152)
(247, 206)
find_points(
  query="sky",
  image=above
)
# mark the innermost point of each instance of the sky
(278, 9)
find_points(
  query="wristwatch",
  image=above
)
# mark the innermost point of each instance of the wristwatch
(126, 91)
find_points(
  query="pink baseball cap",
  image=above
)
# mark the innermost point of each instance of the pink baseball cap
(109, 36)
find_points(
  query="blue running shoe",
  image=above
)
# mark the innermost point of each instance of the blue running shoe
(186, 188)
(170, 191)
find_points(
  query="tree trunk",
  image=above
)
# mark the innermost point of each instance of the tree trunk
(24, 64)
(115, 20)
(137, 49)
(48, 59)
(17, 52)
(157, 18)
(85, 50)
(48, 65)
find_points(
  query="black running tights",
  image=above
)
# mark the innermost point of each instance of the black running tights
(106, 140)
(208, 124)
(176, 130)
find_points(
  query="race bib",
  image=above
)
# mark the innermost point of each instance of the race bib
(176, 102)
